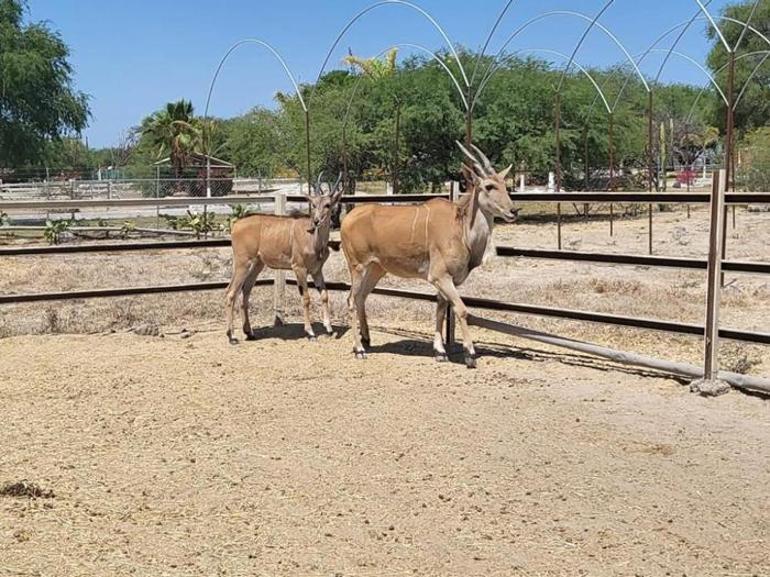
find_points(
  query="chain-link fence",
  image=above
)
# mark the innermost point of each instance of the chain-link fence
(76, 189)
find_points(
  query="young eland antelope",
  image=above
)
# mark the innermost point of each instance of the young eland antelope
(438, 241)
(296, 242)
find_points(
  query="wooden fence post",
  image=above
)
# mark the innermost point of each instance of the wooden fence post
(450, 316)
(279, 286)
(710, 384)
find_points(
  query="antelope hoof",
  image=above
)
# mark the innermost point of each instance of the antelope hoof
(232, 340)
(470, 361)
(360, 354)
(250, 336)
(440, 356)
(311, 338)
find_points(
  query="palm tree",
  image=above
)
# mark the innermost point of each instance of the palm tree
(380, 69)
(176, 132)
(373, 67)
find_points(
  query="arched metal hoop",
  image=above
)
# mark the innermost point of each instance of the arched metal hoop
(272, 50)
(582, 39)
(599, 91)
(410, 5)
(492, 31)
(492, 68)
(766, 55)
(697, 64)
(685, 25)
(716, 28)
(214, 78)
(419, 47)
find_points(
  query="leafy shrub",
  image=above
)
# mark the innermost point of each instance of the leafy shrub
(54, 229)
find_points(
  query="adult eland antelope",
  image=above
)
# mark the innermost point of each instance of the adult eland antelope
(296, 242)
(438, 241)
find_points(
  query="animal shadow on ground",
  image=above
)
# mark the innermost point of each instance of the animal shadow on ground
(417, 344)
(296, 332)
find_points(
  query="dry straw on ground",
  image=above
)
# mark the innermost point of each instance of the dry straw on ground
(173, 453)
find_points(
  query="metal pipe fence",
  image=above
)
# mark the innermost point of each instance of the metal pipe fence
(503, 251)
(474, 302)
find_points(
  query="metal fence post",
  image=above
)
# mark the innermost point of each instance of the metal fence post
(450, 317)
(157, 197)
(649, 228)
(710, 384)
(279, 287)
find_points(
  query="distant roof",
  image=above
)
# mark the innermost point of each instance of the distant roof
(199, 160)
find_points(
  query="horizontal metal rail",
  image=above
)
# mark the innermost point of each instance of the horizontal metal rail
(168, 201)
(631, 259)
(602, 318)
(641, 197)
(112, 247)
(390, 198)
(505, 251)
(473, 302)
(75, 229)
(116, 292)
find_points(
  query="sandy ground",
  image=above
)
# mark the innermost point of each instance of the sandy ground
(180, 455)
(185, 456)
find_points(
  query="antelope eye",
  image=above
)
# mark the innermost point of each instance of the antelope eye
(490, 187)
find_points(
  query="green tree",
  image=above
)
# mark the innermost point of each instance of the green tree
(754, 173)
(255, 142)
(37, 100)
(175, 131)
(753, 111)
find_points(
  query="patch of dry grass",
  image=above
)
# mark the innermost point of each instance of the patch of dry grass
(25, 489)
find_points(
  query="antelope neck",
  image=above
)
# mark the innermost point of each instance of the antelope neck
(321, 236)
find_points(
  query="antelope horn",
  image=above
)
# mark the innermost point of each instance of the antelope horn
(333, 189)
(318, 183)
(479, 169)
(484, 159)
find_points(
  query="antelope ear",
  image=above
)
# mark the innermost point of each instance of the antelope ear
(475, 176)
(504, 173)
(473, 206)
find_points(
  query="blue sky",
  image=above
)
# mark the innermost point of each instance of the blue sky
(132, 57)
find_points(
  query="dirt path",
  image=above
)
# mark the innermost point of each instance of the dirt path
(172, 456)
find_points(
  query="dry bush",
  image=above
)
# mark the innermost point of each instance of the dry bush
(26, 489)
(739, 357)
(616, 286)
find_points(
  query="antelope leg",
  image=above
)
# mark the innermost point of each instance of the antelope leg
(302, 285)
(446, 286)
(438, 339)
(355, 287)
(248, 284)
(241, 269)
(371, 277)
(320, 284)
